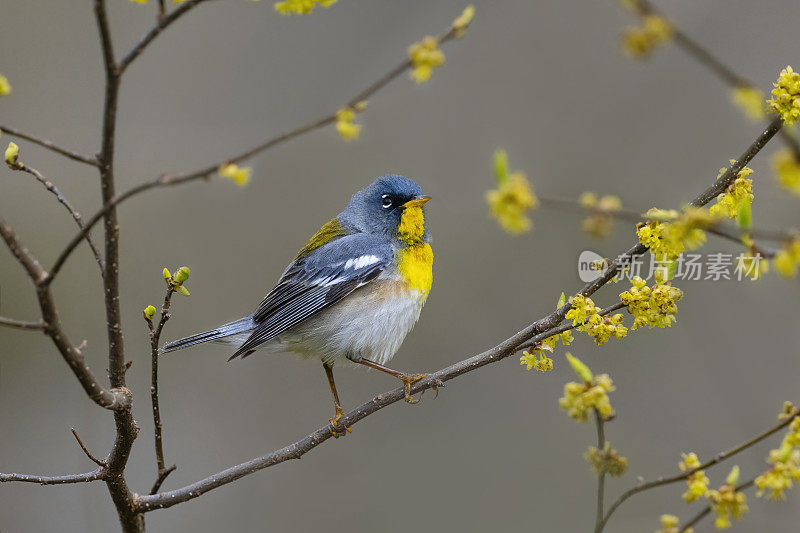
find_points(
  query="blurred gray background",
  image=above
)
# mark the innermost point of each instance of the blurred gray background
(544, 79)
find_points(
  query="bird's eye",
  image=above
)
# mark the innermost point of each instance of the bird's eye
(386, 201)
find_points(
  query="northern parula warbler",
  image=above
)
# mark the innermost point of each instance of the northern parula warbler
(352, 293)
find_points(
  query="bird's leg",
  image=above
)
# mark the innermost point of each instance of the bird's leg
(336, 404)
(407, 379)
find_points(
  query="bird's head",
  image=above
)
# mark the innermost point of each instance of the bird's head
(391, 205)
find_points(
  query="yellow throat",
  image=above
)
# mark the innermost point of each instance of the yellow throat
(415, 259)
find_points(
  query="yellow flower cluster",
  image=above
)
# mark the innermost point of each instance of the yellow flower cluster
(538, 359)
(5, 87)
(239, 175)
(639, 42)
(600, 221)
(425, 56)
(697, 483)
(651, 307)
(786, 96)
(582, 398)
(750, 101)
(585, 315)
(726, 502)
(787, 260)
(741, 190)
(785, 462)
(669, 232)
(345, 121)
(606, 461)
(787, 170)
(300, 7)
(512, 198)
(669, 524)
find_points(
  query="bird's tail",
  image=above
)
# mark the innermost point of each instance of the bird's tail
(239, 326)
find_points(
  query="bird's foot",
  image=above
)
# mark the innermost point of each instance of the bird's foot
(408, 380)
(337, 432)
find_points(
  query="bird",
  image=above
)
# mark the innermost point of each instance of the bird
(352, 293)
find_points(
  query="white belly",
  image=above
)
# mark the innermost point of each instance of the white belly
(372, 323)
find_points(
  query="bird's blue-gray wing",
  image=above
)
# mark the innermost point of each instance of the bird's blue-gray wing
(316, 282)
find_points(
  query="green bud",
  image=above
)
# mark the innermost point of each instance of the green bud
(12, 154)
(733, 477)
(166, 274)
(561, 301)
(183, 291)
(500, 165)
(581, 369)
(181, 275)
(149, 312)
(745, 215)
(671, 269)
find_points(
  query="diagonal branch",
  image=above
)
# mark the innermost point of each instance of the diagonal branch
(163, 22)
(535, 332)
(94, 475)
(661, 481)
(167, 180)
(109, 399)
(44, 143)
(50, 186)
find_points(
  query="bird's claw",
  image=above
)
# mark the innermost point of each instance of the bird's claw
(335, 429)
(408, 380)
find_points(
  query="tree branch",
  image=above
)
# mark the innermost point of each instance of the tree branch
(21, 324)
(164, 21)
(50, 186)
(155, 336)
(166, 180)
(44, 143)
(91, 457)
(108, 399)
(94, 475)
(535, 332)
(661, 481)
(601, 477)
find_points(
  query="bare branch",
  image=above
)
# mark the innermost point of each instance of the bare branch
(44, 143)
(163, 22)
(155, 336)
(50, 186)
(21, 324)
(94, 475)
(91, 457)
(601, 476)
(166, 180)
(108, 399)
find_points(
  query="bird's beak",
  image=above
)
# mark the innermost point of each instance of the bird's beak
(417, 201)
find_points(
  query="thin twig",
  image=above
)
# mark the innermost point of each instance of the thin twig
(661, 481)
(704, 56)
(535, 332)
(44, 143)
(166, 180)
(21, 324)
(155, 336)
(601, 477)
(702, 514)
(163, 23)
(50, 186)
(91, 457)
(94, 475)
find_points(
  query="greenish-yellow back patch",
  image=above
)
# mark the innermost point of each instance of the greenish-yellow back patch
(416, 267)
(332, 230)
(412, 225)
